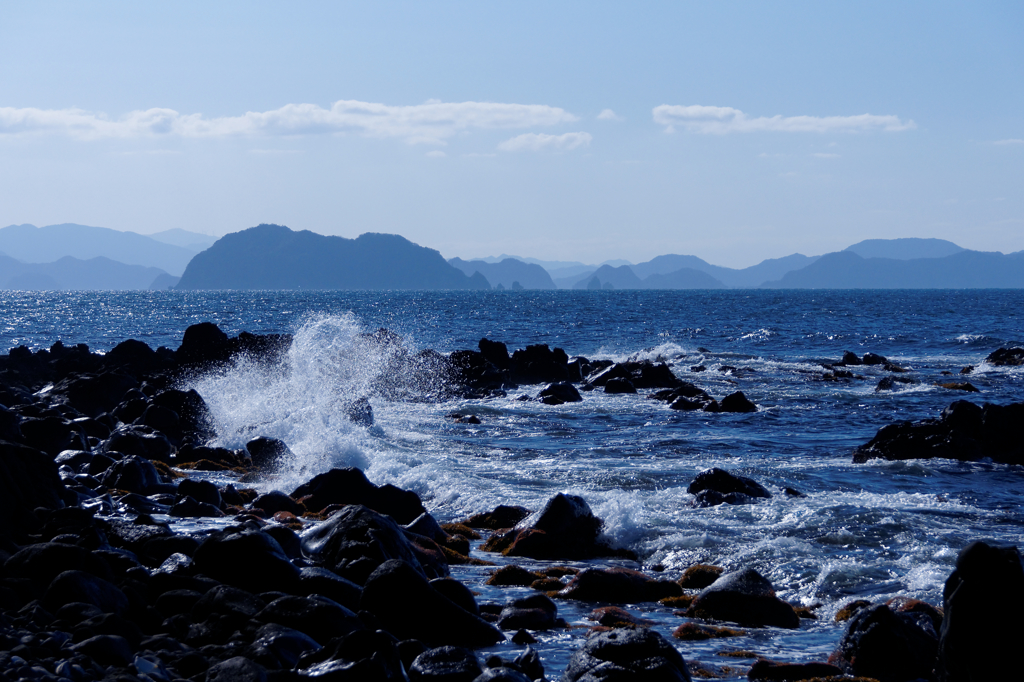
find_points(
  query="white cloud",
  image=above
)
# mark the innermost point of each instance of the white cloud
(608, 115)
(431, 122)
(722, 120)
(1010, 141)
(436, 154)
(536, 142)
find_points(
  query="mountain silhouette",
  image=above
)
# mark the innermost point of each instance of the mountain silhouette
(74, 273)
(905, 248)
(31, 244)
(506, 272)
(276, 257)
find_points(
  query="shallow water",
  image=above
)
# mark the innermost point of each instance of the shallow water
(861, 531)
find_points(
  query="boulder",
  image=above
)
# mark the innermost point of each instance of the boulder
(445, 664)
(617, 586)
(644, 374)
(267, 453)
(744, 597)
(405, 604)
(92, 395)
(250, 560)
(963, 431)
(276, 501)
(237, 669)
(495, 352)
(136, 475)
(139, 441)
(356, 540)
(1006, 357)
(226, 602)
(349, 486)
(982, 602)
(625, 655)
(316, 580)
(536, 612)
(619, 385)
(52, 435)
(28, 479)
(737, 402)
(565, 529)
(717, 486)
(503, 516)
(319, 617)
(560, 393)
(539, 364)
(201, 491)
(887, 646)
(79, 586)
(278, 647)
(203, 343)
(360, 655)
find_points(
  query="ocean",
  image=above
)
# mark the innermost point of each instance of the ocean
(861, 531)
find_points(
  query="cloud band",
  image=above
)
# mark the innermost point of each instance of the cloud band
(724, 120)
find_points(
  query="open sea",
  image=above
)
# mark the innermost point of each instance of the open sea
(863, 531)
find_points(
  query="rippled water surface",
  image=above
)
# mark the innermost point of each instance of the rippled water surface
(861, 531)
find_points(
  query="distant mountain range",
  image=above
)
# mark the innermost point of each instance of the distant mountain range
(70, 256)
(275, 257)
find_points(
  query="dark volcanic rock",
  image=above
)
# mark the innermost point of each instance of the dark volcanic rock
(79, 586)
(1006, 357)
(982, 603)
(445, 664)
(717, 486)
(503, 516)
(28, 479)
(617, 586)
(360, 655)
(744, 597)
(251, 560)
(565, 529)
(644, 374)
(398, 595)
(539, 364)
(356, 540)
(137, 475)
(267, 453)
(557, 394)
(619, 385)
(887, 646)
(140, 441)
(737, 402)
(350, 486)
(964, 431)
(319, 617)
(624, 655)
(767, 671)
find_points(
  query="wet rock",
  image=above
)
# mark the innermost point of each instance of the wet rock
(237, 669)
(137, 475)
(360, 655)
(503, 516)
(645, 374)
(1006, 357)
(744, 597)
(617, 585)
(539, 364)
(93, 395)
(717, 486)
(193, 414)
(616, 617)
(964, 431)
(317, 616)
(53, 435)
(276, 501)
(28, 479)
(619, 385)
(457, 593)
(266, 453)
(889, 383)
(692, 632)
(356, 540)
(360, 412)
(105, 650)
(79, 586)
(965, 386)
(529, 662)
(623, 655)
(445, 664)
(737, 402)
(699, 576)
(495, 352)
(278, 647)
(536, 612)
(767, 671)
(190, 508)
(982, 602)
(557, 394)
(888, 646)
(565, 529)
(316, 580)
(850, 358)
(349, 486)
(407, 606)
(250, 560)
(513, 575)
(502, 674)
(201, 491)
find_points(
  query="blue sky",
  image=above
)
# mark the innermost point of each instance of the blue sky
(735, 131)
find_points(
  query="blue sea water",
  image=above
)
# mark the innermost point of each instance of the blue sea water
(869, 531)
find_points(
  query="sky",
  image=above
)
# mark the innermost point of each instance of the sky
(590, 131)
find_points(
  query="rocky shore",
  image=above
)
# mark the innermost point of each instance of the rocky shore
(342, 579)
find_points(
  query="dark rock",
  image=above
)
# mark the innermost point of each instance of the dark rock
(982, 603)
(539, 364)
(53, 435)
(513, 575)
(767, 671)
(237, 669)
(850, 358)
(225, 601)
(645, 374)
(874, 359)
(356, 540)
(266, 453)
(737, 402)
(360, 655)
(407, 606)
(190, 508)
(105, 650)
(565, 529)
(685, 404)
(623, 655)
(445, 664)
(279, 647)
(349, 486)
(536, 612)
(502, 674)
(156, 550)
(965, 386)
(276, 501)
(529, 662)
(617, 586)
(79, 586)
(888, 646)
(618, 385)
(715, 486)
(699, 576)
(94, 395)
(315, 580)
(557, 394)
(173, 602)
(201, 491)
(457, 593)
(1006, 357)
(28, 479)
(744, 597)
(315, 615)
(140, 441)
(135, 474)
(495, 352)
(964, 431)
(503, 516)
(251, 560)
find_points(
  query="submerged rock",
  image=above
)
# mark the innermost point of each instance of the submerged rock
(717, 486)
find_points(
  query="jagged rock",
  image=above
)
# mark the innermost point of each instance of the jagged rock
(557, 394)
(1006, 357)
(744, 597)
(349, 486)
(140, 441)
(982, 603)
(135, 474)
(623, 655)
(398, 595)
(503, 516)
(716, 486)
(888, 646)
(737, 402)
(539, 364)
